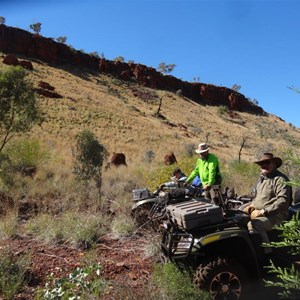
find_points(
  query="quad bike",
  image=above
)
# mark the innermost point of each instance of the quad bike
(149, 207)
(214, 244)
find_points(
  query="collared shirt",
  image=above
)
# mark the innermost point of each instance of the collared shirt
(207, 169)
(273, 194)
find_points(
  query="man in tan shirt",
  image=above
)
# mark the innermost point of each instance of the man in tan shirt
(272, 198)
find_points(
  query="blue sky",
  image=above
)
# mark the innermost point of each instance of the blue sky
(252, 43)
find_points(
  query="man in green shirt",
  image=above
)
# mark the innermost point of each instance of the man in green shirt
(207, 168)
(272, 198)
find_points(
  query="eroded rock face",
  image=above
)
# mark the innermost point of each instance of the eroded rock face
(18, 41)
(199, 92)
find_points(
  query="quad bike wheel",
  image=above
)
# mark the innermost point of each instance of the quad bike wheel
(222, 278)
(141, 214)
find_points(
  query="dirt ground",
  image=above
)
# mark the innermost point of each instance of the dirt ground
(123, 262)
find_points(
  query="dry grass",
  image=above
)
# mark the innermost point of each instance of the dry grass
(9, 225)
(124, 123)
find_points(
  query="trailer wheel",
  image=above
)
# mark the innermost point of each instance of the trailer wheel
(222, 278)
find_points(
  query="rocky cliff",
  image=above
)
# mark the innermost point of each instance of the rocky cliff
(21, 42)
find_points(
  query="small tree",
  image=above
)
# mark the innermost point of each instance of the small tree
(164, 68)
(254, 101)
(95, 54)
(120, 59)
(36, 27)
(236, 87)
(18, 105)
(159, 106)
(61, 39)
(2, 20)
(89, 156)
(149, 156)
(244, 139)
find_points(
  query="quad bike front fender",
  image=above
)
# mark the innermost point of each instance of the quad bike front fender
(143, 202)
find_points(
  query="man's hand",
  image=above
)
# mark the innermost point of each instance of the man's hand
(206, 187)
(249, 209)
(257, 213)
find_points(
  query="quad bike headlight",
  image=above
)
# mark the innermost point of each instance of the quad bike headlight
(166, 226)
(185, 243)
(162, 194)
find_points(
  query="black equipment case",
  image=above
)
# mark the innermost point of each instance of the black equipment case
(192, 214)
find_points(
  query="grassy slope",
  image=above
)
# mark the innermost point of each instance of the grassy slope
(125, 123)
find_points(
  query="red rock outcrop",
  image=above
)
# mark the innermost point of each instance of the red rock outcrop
(26, 64)
(18, 41)
(170, 159)
(11, 60)
(46, 86)
(47, 93)
(118, 159)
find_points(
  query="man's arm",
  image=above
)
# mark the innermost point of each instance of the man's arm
(194, 173)
(282, 193)
(212, 170)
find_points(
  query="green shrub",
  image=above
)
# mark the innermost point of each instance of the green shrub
(12, 273)
(86, 229)
(82, 283)
(159, 175)
(222, 110)
(27, 153)
(162, 173)
(240, 175)
(149, 156)
(46, 228)
(9, 226)
(6, 172)
(79, 229)
(153, 248)
(176, 284)
(190, 149)
(18, 109)
(122, 226)
(287, 279)
(89, 155)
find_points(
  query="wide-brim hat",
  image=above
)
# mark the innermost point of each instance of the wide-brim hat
(202, 148)
(269, 157)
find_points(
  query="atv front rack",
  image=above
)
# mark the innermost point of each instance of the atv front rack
(176, 245)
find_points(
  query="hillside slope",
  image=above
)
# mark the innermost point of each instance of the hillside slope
(130, 118)
(122, 115)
